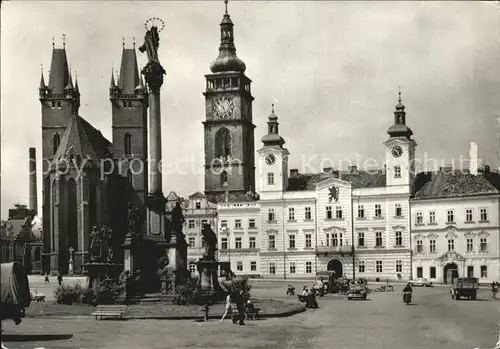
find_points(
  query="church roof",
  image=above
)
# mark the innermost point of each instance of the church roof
(59, 72)
(454, 183)
(81, 138)
(129, 73)
(197, 195)
(358, 179)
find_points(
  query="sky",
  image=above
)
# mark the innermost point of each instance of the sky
(332, 69)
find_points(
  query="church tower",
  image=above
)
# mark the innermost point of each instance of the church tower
(400, 151)
(59, 100)
(129, 103)
(229, 129)
(273, 159)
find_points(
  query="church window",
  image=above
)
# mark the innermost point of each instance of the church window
(222, 143)
(56, 140)
(72, 214)
(223, 178)
(127, 144)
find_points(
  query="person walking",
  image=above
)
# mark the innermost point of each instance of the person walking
(47, 278)
(59, 278)
(228, 309)
(240, 304)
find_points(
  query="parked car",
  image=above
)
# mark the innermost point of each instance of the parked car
(421, 282)
(465, 288)
(357, 292)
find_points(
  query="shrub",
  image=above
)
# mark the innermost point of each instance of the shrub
(238, 284)
(107, 291)
(184, 294)
(68, 294)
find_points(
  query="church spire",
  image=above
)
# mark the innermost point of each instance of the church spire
(112, 85)
(59, 71)
(77, 89)
(273, 137)
(227, 59)
(42, 80)
(399, 129)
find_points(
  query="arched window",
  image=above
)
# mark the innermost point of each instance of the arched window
(127, 144)
(56, 140)
(222, 143)
(223, 178)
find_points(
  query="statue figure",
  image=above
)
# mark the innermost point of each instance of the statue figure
(210, 242)
(95, 244)
(104, 242)
(177, 221)
(131, 220)
(151, 43)
(109, 238)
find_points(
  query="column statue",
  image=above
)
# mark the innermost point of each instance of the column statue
(178, 221)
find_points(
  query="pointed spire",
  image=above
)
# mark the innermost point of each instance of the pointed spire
(64, 40)
(140, 87)
(59, 71)
(42, 81)
(129, 74)
(399, 129)
(77, 89)
(400, 105)
(227, 59)
(272, 108)
(399, 93)
(123, 42)
(70, 81)
(53, 42)
(273, 138)
(112, 85)
(133, 42)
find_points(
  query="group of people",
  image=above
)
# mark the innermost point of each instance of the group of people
(310, 296)
(236, 300)
(59, 278)
(494, 288)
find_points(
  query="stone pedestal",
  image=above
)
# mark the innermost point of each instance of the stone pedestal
(128, 255)
(99, 271)
(208, 289)
(177, 257)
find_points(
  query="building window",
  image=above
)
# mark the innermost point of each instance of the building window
(237, 244)
(468, 215)
(223, 223)
(361, 266)
(293, 268)
(335, 241)
(270, 215)
(419, 219)
(309, 267)
(192, 241)
(251, 223)
(450, 216)
(56, 140)
(470, 271)
(378, 210)
(399, 238)
(432, 272)
(291, 241)
(420, 272)
(484, 271)
(272, 242)
(203, 222)
(198, 205)
(308, 213)
(272, 268)
(253, 266)
(399, 210)
(192, 268)
(327, 239)
(239, 266)
(338, 212)
(420, 246)
(223, 244)
(329, 212)
(399, 266)
(484, 214)
(237, 224)
(270, 178)
(451, 245)
(361, 239)
(378, 266)
(483, 244)
(470, 245)
(127, 144)
(252, 242)
(378, 238)
(308, 240)
(191, 224)
(291, 214)
(361, 211)
(397, 172)
(432, 217)
(432, 246)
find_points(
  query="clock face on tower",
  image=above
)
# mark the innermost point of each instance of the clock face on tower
(270, 159)
(397, 151)
(223, 107)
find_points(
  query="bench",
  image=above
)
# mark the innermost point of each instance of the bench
(110, 310)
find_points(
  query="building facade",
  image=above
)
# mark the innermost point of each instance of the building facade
(455, 226)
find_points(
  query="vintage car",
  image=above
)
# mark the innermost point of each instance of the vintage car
(357, 292)
(421, 282)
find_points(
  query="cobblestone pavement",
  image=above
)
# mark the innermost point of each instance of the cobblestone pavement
(433, 321)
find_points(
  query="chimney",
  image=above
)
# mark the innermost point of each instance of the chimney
(33, 204)
(328, 170)
(353, 169)
(294, 172)
(473, 161)
(226, 192)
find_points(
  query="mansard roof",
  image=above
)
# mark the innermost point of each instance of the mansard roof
(82, 139)
(454, 183)
(358, 179)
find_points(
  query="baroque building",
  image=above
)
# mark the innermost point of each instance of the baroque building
(455, 225)
(229, 128)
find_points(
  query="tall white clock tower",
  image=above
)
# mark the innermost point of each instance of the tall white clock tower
(273, 159)
(400, 151)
